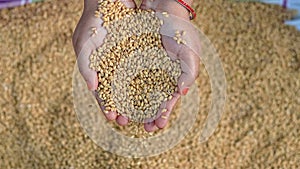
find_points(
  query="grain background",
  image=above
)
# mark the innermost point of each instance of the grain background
(260, 124)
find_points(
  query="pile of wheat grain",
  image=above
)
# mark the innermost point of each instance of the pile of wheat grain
(135, 73)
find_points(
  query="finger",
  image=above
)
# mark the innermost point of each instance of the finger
(129, 3)
(149, 4)
(109, 115)
(150, 127)
(165, 112)
(149, 120)
(189, 62)
(122, 120)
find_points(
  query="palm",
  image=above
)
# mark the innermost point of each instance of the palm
(186, 53)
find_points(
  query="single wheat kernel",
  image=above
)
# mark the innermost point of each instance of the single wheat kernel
(97, 13)
(161, 22)
(94, 31)
(165, 14)
(164, 117)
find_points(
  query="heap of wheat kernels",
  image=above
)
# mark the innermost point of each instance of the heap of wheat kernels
(134, 71)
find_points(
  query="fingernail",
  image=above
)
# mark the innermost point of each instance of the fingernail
(185, 91)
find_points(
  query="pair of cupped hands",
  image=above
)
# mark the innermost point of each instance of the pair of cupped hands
(188, 58)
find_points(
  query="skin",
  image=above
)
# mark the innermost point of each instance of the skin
(189, 60)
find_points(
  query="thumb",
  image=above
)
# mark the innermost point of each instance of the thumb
(89, 75)
(83, 62)
(189, 62)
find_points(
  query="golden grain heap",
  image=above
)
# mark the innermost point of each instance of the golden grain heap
(134, 71)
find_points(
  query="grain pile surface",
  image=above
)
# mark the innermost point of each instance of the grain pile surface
(260, 124)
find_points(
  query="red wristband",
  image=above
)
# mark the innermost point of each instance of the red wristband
(189, 8)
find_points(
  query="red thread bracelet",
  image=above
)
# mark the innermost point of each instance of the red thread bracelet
(189, 8)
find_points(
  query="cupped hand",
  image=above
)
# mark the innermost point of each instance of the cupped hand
(89, 35)
(187, 53)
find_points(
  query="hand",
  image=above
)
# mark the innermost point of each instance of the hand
(188, 57)
(85, 40)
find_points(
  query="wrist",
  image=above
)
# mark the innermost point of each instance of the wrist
(174, 8)
(90, 5)
(189, 2)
